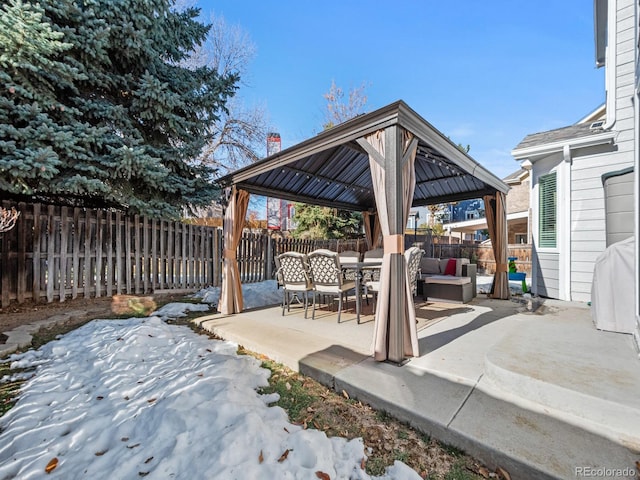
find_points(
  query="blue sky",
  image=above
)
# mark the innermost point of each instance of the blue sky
(485, 74)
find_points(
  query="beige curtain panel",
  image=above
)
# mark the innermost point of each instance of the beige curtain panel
(407, 322)
(231, 289)
(372, 234)
(496, 212)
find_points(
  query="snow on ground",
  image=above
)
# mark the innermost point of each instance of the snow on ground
(267, 293)
(253, 294)
(141, 398)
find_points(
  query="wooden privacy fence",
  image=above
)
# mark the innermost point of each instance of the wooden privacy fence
(54, 253)
(57, 252)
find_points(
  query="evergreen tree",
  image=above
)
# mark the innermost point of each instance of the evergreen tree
(313, 221)
(95, 109)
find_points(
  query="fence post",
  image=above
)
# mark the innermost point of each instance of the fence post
(269, 258)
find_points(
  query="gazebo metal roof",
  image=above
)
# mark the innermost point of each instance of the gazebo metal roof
(331, 169)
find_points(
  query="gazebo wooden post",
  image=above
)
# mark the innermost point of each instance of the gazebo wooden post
(394, 194)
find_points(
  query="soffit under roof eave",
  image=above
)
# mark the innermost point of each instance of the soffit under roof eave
(600, 13)
(545, 149)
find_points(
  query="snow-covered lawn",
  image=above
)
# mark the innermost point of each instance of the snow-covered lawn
(140, 398)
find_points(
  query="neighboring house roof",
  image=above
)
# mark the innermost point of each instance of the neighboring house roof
(516, 177)
(575, 136)
(599, 113)
(470, 226)
(557, 135)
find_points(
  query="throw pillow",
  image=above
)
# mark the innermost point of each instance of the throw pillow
(451, 267)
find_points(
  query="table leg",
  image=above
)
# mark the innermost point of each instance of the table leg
(358, 297)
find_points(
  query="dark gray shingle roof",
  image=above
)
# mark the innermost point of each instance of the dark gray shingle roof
(558, 135)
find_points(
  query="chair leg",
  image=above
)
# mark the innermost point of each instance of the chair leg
(313, 310)
(284, 300)
(340, 306)
(306, 303)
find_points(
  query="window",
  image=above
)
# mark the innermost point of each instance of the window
(547, 233)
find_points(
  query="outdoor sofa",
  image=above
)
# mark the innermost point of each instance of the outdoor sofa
(452, 280)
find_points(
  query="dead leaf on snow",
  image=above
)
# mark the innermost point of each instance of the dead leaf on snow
(151, 400)
(483, 471)
(322, 475)
(284, 456)
(502, 473)
(100, 453)
(53, 463)
(260, 457)
(148, 460)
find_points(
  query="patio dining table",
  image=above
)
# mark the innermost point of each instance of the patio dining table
(359, 268)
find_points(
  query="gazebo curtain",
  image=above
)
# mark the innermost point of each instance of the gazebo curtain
(385, 321)
(231, 290)
(372, 230)
(496, 212)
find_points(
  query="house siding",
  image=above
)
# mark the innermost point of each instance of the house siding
(588, 211)
(566, 271)
(547, 281)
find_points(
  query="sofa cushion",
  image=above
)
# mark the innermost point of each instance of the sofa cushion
(450, 269)
(430, 265)
(443, 265)
(447, 279)
(459, 263)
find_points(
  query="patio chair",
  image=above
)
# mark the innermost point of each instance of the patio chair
(327, 278)
(293, 272)
(349, 256)
(371, 275)
(413, 255)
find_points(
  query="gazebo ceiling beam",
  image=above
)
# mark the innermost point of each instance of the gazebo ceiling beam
(296, 197)
(328, 180)
(456, 197)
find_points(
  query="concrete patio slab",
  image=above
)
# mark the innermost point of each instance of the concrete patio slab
(544, 395)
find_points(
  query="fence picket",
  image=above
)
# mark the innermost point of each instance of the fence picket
(53, 254)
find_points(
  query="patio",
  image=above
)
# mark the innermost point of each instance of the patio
(382, 164)
(540, 394)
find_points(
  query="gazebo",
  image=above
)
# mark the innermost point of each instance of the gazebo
(382, 164)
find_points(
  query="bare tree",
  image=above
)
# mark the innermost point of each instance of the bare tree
(341, 109)
(8, 219)
(239, 136)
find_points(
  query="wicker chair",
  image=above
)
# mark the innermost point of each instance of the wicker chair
(327, 277)
(349, 256)
(293, 272)
(412, 257)
(371, 275)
